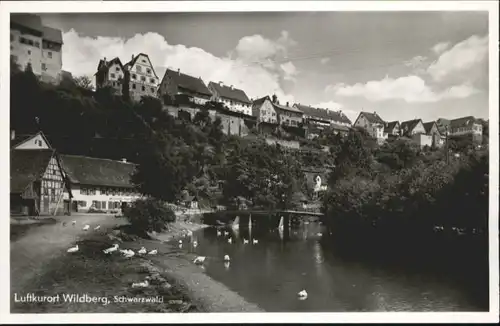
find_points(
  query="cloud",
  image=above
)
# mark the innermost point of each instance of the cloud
(462, 62)
(411, 89)
(82, 54)
(324, 60)
(415, 62)
(440, 47)
(290, 71)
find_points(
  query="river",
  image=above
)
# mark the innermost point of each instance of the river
(273, 271)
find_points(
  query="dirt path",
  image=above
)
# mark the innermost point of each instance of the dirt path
(32, 252)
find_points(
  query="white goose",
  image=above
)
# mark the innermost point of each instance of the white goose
(73, 249)
(189, 233)
(111, 249)
(153, 252)
(97, 228)
(199, 260)
(142, 251)
(219, 233)
(144, 284)
(195, 243)
(319, 234)
(226, 258)
(302, 294)
(229, 240)
(86, 227)
(129, 253)
(74, 222)
(255, 241)
(245, 241)
(226, 233)
(180, 242)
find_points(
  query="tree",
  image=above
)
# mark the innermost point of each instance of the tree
(84, 82)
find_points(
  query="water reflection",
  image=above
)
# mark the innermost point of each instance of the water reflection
(273, 271)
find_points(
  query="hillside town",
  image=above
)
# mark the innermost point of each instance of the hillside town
(97, 184)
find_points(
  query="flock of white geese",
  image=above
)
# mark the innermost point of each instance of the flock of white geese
(199, 260)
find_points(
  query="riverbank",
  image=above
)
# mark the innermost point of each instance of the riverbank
(103, 283)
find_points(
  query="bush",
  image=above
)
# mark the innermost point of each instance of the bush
(146, 215)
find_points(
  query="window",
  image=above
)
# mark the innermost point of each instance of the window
(44, 67)
(112, 75)
(152, 90)
(143, 88)
(110, 205)
(143, 61)
(148, 71)
(103, 205)
(49, 54)
(134, 76)
(143, 78)
(29, 52)
(133, 86)
(52, 195)
(138, 68)
(82, 203)
(96, 204)
(117, 68)
(152, 80)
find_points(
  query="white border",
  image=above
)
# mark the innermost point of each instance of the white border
(146, 6)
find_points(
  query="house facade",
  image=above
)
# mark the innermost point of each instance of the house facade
(37, 183)
(233, 98)
(110, 74)
(318, 119)
(264, 111)
(288, 115)
(36, 141)
(392, 128)
(373, 124)
(412, 127)
(37, 45)
(432, 130)
(142, 78)
(176, 84)
(99, 184)
(467, 126)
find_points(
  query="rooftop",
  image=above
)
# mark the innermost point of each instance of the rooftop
(188, 82)
(323, 114)
(27, 167)
(230, 92)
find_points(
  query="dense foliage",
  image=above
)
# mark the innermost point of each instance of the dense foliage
(146, 215)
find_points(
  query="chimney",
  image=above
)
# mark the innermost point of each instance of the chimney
(124, 160)
(221, 83)
(287, 104)
(179, 71)
(231, 87)
(132, 58)
(104, 60)
(275, 99)
(12, 134)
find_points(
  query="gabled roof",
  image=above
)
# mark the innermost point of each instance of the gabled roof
(391, 125)
(462, 122)
(20, 139)
(323, 114)
(52, 34)
(104, 65)
(408, 126)
(97, 172)
(428, 126)
(372, 117)
(287, 108)
(188, 82)
(231, 93)
(27, 167)
(132, 62)
(260, 101)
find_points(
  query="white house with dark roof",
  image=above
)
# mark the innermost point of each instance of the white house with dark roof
(264, 110)
(234, 98)
(317, 119)
(33, 43)
(177, 84)
(29, 141)
(100, 184)
(110, 74)
(373, 124)
(143, 80)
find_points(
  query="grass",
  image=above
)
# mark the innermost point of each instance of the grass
(89, 271)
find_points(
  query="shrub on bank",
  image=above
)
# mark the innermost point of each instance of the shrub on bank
(146, 215)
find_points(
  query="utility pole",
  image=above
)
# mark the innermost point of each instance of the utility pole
(446, 146)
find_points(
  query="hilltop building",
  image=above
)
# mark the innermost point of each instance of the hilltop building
(392, 129)
(181, 86)
(264, 110)
(233, 98)
(37, 45)
(373, 124)
(432, 130)
(110, 74)
(318, 119)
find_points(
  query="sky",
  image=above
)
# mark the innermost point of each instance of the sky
(402, 65)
